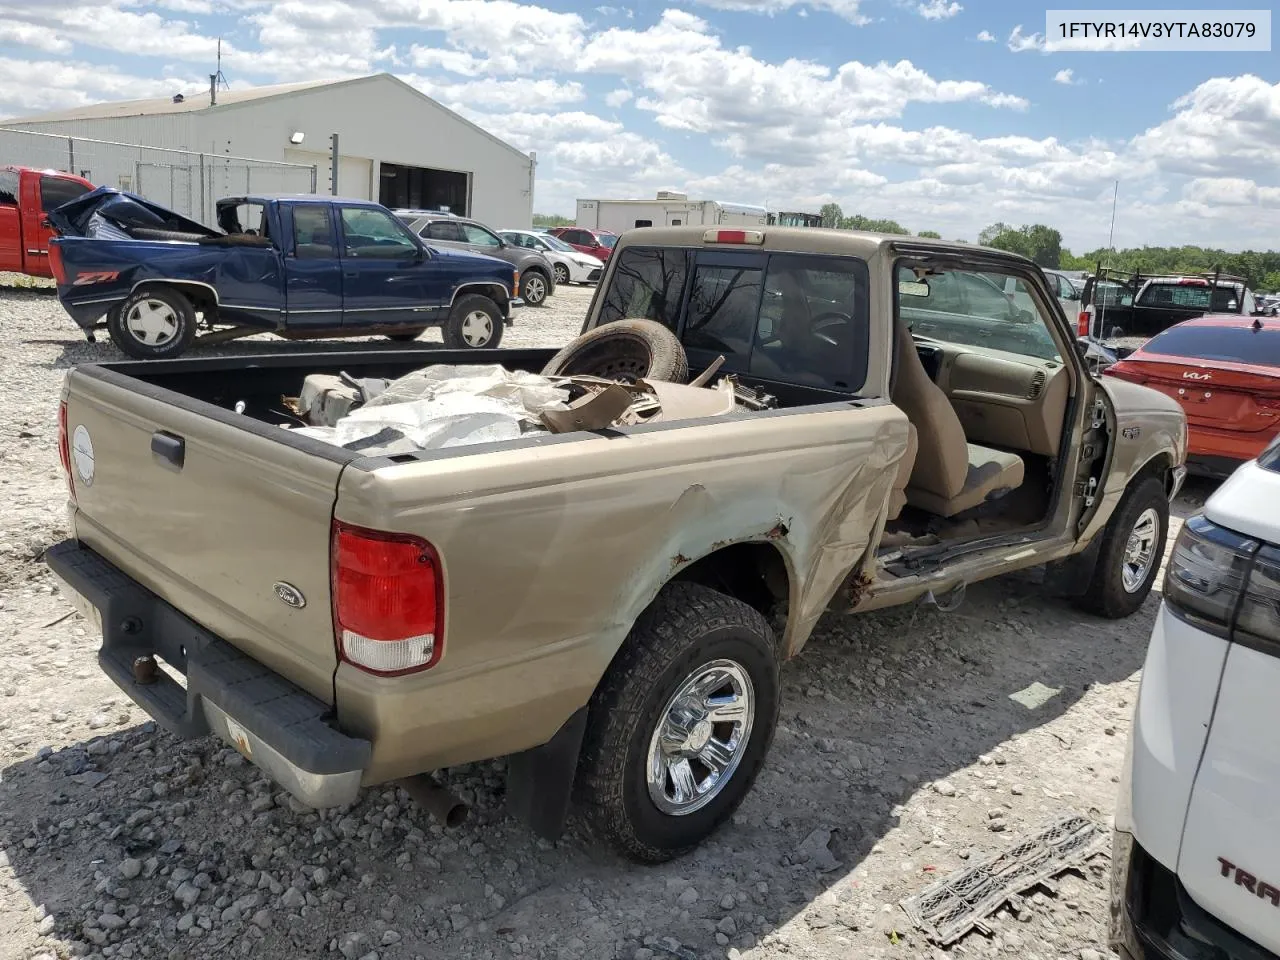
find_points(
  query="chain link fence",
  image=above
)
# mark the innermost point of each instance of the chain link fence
(185, 181)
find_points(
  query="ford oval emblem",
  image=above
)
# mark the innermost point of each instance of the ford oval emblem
(290, 594)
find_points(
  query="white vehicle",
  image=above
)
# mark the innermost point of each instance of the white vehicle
(571, 266)
(1196, 864)
(667, 210)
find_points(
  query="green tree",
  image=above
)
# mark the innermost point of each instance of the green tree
(1271, 282)
(931, 234)
(551, 220)
(1040, 243)
(832, 215)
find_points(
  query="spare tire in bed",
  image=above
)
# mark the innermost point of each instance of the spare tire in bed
(623, 350)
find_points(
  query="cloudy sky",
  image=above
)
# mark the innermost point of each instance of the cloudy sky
(941, 114)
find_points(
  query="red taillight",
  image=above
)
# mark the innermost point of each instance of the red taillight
(388, 601)
(733, 236)
(1082, 323)
(64, 446)
(56, 266)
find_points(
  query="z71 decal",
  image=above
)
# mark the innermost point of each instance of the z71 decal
(95, 276)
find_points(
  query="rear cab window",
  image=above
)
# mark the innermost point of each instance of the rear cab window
(788, 318)
(55, 191)
(1190, 296)
(1258, 346)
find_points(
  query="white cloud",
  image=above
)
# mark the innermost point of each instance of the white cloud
(63, 84)
(616, 98)
(1020, 42)
(518, 94)
(986, 36)
(938, 9)
(1067, 77)
(850, 10)
(28, 35)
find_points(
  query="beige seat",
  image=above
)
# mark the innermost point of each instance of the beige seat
(898, 495)
(950, 475)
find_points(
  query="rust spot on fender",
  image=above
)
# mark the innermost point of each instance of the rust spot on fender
(678, 560)
(780, 530)
(857, 588)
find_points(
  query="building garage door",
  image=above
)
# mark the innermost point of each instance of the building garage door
(422, 188)
(355, 174)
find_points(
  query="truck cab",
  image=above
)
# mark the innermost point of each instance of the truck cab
(26, 197)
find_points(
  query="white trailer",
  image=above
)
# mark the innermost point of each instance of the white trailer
(666, 210)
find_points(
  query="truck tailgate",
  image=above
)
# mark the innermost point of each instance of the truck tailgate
(229, 525)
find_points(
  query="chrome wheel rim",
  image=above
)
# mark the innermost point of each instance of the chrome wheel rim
(701, 737)
(562, 274)
(535, 291)
(477, 328)
(1140, 550)
(152, 322)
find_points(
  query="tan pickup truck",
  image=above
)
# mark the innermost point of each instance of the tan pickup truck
(597, 605)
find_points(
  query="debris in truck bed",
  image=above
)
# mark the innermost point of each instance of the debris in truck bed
(445, 405)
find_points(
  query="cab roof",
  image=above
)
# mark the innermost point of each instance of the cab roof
(821, 240)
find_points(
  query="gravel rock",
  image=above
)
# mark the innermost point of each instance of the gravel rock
(944, 788)
(130, 869)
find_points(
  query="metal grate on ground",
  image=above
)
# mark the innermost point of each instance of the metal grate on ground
(950, 908)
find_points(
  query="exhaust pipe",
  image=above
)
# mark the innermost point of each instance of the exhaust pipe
(438, 801)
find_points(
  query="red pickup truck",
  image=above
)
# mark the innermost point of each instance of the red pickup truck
(26, 197)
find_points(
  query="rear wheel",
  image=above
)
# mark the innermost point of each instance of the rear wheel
(475, 323)
(1132, 548)
(681, 723)
(153, 324)
(534, 288)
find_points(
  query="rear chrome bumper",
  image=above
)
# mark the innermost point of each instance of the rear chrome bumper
(283, 730)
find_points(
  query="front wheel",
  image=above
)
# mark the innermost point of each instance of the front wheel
(153, 324)
(1130, 554)
(562, 275)
(474, 323)
(681, 723)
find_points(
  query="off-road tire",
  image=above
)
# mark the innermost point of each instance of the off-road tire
(454, 330)
(623, 349)
(687, 626)
(541, 288)
(124, 338)
(1106, 595)
(562, 275)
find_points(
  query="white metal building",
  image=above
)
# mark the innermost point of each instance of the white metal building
(396, 145)
(666, 209)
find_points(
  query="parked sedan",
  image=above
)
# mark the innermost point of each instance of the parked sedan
(1225, 372)
(438, 229)
(597, 243)
(570, 265)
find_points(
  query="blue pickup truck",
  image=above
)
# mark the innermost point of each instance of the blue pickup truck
(302, 267)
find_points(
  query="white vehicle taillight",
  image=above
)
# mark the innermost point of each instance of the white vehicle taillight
(388, 601)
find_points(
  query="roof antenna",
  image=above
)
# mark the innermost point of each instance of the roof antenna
(217, 78)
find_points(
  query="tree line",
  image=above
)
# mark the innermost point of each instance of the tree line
(1043, 244)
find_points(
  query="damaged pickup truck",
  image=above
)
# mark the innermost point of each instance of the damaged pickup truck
(303, 268)
(605, 601)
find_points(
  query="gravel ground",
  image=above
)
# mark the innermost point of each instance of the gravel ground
(899, 757)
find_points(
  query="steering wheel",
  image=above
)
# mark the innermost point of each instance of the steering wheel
(827, 321)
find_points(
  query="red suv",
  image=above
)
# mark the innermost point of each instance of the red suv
(598, 243)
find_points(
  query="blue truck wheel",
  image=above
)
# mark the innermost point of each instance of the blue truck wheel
(154, 323)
